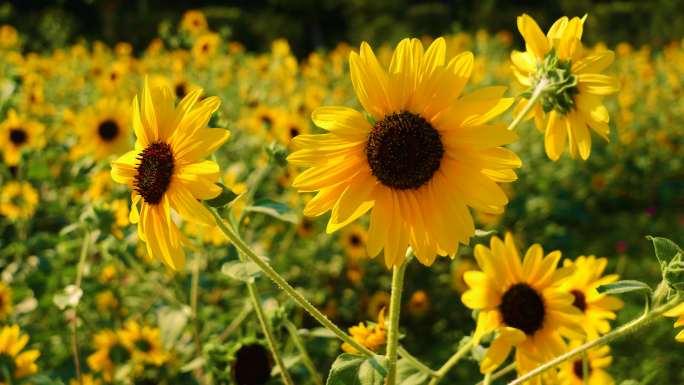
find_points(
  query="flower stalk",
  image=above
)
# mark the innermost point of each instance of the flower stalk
(536, 94)
(306, 359)
(623, 330)
(398, 274)
(452, 361)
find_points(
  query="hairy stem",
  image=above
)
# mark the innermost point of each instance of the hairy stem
(394, 313)
(452, 361)
(306, 359)
(538, 91)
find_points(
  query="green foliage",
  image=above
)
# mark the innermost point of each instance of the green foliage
(351, 369)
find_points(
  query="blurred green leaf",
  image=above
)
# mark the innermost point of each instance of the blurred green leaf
(227, 195)
(241, 271)
(625, 286)
(274, 209)
(351, 369)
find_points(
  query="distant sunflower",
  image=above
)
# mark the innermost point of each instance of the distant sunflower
(370, 336)
(18, 132)
(23, 362)
(597, 308)
(167, 168)
(521, 302)
(144, 343)
(572, 372)
(104, 129)
(18, 200)
(109, 353)
(86, 379)
(678, 312)
(5, 301)
(205, 47)
(194, 22)
(354, 242)
(424, 159)
(576, 101)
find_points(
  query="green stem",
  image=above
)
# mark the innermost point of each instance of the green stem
(306, 359)
(415, 362)
(538, 91)
(237, 321)
(394, 312)
(501, 373)
(487, 379)
(286, 287)
(74, 320)
(194, 294)
(585, 368)
(623, 330)
(452, 361)
(266, 327)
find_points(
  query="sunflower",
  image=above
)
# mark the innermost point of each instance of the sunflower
(370, 336)
(678, 312)
(205, 47)
(144, 343)
(521, 302)
(572, 372)
(18, 200)
(5, 301)
(17, 133)
(458, 268)
(166, 170)
(354, 242)
(109, 353)
(410, 161)
(582, 284)
(8, 36)
(86, 379)
(22, 362)
(575, 86)
(194, 22)
(419, 304)
(104, 129)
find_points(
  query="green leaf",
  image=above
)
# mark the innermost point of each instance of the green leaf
(625, 286)
(350, 369)
(274, 209)
(241, 271)
(277, 154)
(407, 374)
(227, 195)
(665, 249)
(670, 256)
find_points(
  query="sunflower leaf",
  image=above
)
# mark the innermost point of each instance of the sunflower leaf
(625, 286)
(274, 209)
(226, 196)
(351, 369)
(241, 271)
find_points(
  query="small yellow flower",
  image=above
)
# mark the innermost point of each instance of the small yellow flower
(103, 129)
(419, 303)
(12, 344)
(106, 302)
(17, 133)
(86, 379)
(205, 47)
(18, 200)
(194, 22)
(144, 343)
(372, 337)
(109, 353)
(354, 242)
(8, 36)
(572, 372)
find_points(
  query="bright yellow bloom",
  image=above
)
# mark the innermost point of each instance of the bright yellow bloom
(205, 47)
(372, 337)
(167, 169)
(582, 284)
(521, 302)
(678, 312)
(18, 200)
(104, 129)
(426, 157)
(354, 242)
(5, 301)
(572, 372)
(12, 344)
(86, 379)
(17, 133)
(8, 36)
(575, 102)
(144, 343)
(194, 22)
(109, 353)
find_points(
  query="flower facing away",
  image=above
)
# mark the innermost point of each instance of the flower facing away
(17, 133)
(572, 372)
(18, 200)
(575, 87)
(597, 308)
(522, 303)
(678, 312)
(370, 336)
(167, 170)
(21, 362)
(424, 155)
(144, 343)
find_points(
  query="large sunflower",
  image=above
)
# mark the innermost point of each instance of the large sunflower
(574, 103)
(104, 129)
(18, 132)
(521, 302)
(167, 168)
(598, 308)
(420, 159)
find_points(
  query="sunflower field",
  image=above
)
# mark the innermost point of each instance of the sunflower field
(472, 208)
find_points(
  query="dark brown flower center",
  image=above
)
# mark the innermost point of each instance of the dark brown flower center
(252, 365)
(108, 130)
(154, 172)
(18, 136)
(355, 240)
(404, 151)
(523, 308)
(580, 301)
(577, 368)
(143, 345)
(180, 90)
(294, 131)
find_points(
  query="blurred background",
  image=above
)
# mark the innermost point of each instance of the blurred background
(312, 24)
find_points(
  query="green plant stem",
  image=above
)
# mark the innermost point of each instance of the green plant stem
(74, 320)
(266, 327)
(415, 362)
(237, 321)
(194, 294)
(306, 359)
(623, 330)
(585, 368)
(487, 379)
(286, 287)
(538, 91)
(501, 373)
(452, 361)
(394, 312)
